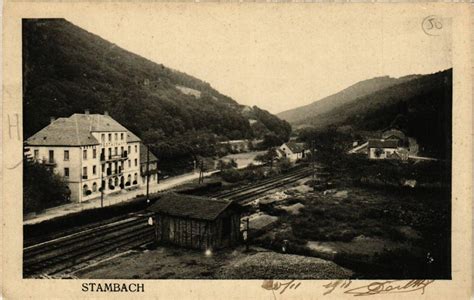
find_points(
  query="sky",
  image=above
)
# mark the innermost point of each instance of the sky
(275, 56)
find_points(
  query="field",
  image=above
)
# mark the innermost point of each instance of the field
(374, 225)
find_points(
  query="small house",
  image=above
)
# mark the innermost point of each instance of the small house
(196, 222)
(383, 149)
(293, 151)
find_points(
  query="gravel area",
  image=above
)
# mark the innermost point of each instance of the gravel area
(271, 265)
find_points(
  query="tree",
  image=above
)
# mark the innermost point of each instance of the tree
(268, 157)
(42, 188)
(271, 140)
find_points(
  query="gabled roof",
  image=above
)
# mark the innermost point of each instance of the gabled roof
(72, 131)
(391, 143)
(392, 134)
(187, 206)
(295, 147)
(132, 137)
(76, 131)
(143, 154)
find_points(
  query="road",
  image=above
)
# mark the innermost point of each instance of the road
(112, 199)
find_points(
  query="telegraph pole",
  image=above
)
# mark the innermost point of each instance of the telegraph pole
(102, 186)
(147, 172)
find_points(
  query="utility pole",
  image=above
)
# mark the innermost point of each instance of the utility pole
(102, 186)
(201, 172)
(147, 173)
(313, 167)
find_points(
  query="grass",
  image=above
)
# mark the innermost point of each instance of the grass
(409, 226)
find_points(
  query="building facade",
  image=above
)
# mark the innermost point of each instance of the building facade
(91, 151)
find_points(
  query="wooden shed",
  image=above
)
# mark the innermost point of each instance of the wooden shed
(196, 222)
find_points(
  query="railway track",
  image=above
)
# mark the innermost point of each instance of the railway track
(64, 254)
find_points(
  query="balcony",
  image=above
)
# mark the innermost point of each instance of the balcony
(116, 157)
(49, 162)
(111, 172)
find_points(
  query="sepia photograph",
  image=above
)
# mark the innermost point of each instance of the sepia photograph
(211, 146)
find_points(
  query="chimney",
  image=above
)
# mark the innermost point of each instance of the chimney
(51, 119)
(106, 113)
(86, 111)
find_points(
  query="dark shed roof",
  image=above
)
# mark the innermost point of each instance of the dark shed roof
(188, 206)
(392, 143)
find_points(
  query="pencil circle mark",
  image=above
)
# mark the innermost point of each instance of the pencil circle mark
(432, 25)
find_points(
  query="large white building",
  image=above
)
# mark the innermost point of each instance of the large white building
(91, 151)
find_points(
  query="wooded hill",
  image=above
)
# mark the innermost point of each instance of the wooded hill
(419, 105)
(67, 70)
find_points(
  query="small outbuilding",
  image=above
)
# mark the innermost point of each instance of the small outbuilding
(196, 222)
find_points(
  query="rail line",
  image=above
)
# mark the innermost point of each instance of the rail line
(65, 254)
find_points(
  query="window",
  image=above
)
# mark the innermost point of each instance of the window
(135, 177)
(136, 148)
(121, 151)
(129, 163)
(84, 154)
(94, 153)
(94, 187)
(110, 137)
(103, 168)
(115, 150)
(36, 154)
(116, 136)
(66, 172)
(136, 162)
(94, 170)
(51, 156)
(66, 154)
(102, 137)
(84, 172)
(121, 136)
(110, 152)
(85, 189)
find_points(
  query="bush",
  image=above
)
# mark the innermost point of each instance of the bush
(231, 175)
(226, 164)
(42, 188)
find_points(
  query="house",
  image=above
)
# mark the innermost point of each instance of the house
(391, 144)
(91, 151)
(385, 149)
(196, 222)
(152, 167)
(292, 150)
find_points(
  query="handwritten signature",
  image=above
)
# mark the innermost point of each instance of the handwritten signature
(379, 287)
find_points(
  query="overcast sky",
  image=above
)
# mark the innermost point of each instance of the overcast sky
(278, 57)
